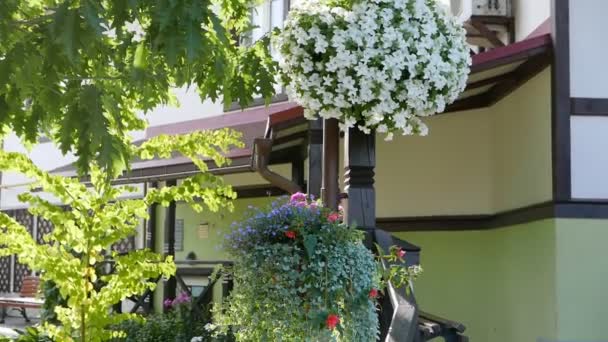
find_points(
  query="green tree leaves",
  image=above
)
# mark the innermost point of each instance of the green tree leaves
(78, 72)
(76, 252)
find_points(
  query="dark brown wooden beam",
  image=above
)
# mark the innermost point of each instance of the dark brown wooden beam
(170, 213)
(468, 103)
(359, 164)
(315, 157)
(591, 209)
(486, 32)
(521, 75)
(256, 191)
(331, 153)
(491, 80)
(560, 101)
(589, 106)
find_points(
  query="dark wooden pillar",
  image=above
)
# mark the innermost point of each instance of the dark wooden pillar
(171, 284)
(331, 153)
(151, 224)
(359, 164)
(315, 157)
(151, 241)
(297, 170)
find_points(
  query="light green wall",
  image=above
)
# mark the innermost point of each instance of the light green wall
(205, 249)
(219, 225)
(582, 279)
(499, 283)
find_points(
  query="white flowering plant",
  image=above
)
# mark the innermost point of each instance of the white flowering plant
(373, 64)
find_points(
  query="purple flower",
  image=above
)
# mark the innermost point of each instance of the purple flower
(168, 303)
(182, 298)
(298, 197)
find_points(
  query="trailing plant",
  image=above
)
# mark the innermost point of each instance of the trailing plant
(373, 64)
(302, 275)
(77, 248)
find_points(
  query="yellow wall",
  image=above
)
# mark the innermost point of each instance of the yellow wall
(522, 145)
(446, 172)
(477, 162)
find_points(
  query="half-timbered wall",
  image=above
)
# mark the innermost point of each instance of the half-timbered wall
(589, 92)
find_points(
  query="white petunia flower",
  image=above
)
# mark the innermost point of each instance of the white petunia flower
(398, 59)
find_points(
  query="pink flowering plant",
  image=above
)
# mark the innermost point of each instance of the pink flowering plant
(301, 274)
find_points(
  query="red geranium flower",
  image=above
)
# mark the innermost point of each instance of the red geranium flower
(400, 253)
(333, 217)
(373, 293)
(290, 234)
(331, 321)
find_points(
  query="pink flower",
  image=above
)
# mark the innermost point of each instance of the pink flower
(333, 217)
(300, 204)
(373, 293)
(331, 321)
(168, 303)
(400, 253)
(290, 234)
(182, 298)
(298, 197)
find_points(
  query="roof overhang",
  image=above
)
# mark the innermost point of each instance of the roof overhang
(497, 73)
(494, 75)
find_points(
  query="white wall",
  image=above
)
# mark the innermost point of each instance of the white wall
(45, 155)
(588, 51)
(529, 14)
(589, 157)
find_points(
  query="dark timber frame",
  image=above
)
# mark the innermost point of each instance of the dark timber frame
(171, 284)
(560, 101)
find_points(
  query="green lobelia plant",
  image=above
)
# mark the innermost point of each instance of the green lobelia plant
(300, 274)
(97, 218)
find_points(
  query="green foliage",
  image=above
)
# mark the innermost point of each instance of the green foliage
(76, 252)
(52, 298)
(79, 71)
(180, 324)
(295, 266)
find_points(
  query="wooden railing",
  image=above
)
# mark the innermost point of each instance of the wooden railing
(400, 318)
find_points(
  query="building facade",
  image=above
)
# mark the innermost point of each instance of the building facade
(506, 196)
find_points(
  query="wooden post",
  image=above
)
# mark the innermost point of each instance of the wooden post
(171, 284)
(359, 164)
(315, 157)
(399, 314)
(331, 153)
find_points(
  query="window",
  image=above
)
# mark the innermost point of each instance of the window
(179, 236)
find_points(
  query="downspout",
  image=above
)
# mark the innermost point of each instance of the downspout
(261, 156)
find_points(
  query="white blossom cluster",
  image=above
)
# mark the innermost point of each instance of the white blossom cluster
(379, 65)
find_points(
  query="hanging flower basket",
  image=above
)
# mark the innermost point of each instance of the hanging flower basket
(302, 275)
(377, 64)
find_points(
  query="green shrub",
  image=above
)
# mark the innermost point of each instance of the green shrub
(300, 275)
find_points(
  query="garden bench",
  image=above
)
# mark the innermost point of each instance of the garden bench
(27, 299)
